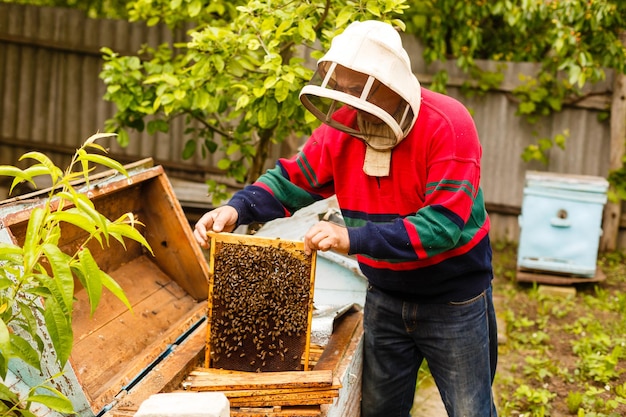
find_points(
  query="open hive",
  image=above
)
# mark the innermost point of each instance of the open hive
(260, 303)
(265, 287)
(118, 354)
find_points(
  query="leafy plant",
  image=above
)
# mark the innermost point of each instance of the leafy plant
(574, 401)
(539, 151)
(574, 44)
(37, 279)
(539, 368)
(535, 400)
(599, 357)
(581, 361)
(592, 399)
(236, 83)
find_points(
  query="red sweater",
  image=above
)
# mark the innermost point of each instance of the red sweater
(422, 232)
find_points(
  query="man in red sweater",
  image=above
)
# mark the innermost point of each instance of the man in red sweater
(404, 164)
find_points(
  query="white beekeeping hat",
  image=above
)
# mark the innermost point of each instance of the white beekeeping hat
(367, 68)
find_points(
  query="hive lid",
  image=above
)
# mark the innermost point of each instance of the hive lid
(585, 183)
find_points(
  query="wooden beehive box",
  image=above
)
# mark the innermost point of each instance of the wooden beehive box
(117, 352)
(260, 303)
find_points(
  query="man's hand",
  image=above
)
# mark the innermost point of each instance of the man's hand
(221, 219)
(325, 236)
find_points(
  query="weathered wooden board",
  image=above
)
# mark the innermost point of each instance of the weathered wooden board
(123, 340)
(347, 368)
(277, 411)
(288, 399)
(552, 279)
(206, 380)
(269, 393)
(166, 376)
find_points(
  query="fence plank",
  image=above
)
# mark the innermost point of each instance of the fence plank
(613, 210)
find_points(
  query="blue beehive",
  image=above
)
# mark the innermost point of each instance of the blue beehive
(561, 223)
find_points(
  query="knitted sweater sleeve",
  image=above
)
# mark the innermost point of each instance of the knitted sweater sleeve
(293, 183)
(452, 218)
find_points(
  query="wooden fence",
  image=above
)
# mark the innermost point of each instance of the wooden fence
(51, 101)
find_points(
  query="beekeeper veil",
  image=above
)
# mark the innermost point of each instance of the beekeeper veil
(367, 68)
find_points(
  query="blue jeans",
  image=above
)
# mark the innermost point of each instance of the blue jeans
(458, 340)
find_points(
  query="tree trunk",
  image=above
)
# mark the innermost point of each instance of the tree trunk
(613, 210)
(262, 151)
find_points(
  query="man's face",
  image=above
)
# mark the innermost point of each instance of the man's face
(353, 82)
(382, 114)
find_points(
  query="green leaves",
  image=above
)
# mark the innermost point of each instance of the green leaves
(268, 114)
(90, 276)
(33, 237)
(575, 41)
(540, 151)
(126, 227)
(56, 402)
(22, 349)
(85, 158)
(5, 339)
(240, 74)
(45, 167)
(37, 279)
(61, 285)
(59, 328)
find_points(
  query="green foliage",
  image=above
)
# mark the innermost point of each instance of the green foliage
(540, 150)
(582, 403)
(574, 42)
(12, 404)
(580, 38)
(574, 340)
(600, 351)
(535, 400)
(37, 278)
(539, 368)
(236, 82)
(618, 179)
(574, 401)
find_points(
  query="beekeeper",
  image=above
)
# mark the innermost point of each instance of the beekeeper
(404, 164)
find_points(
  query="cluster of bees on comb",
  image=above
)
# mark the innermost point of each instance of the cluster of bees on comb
(260, 308)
